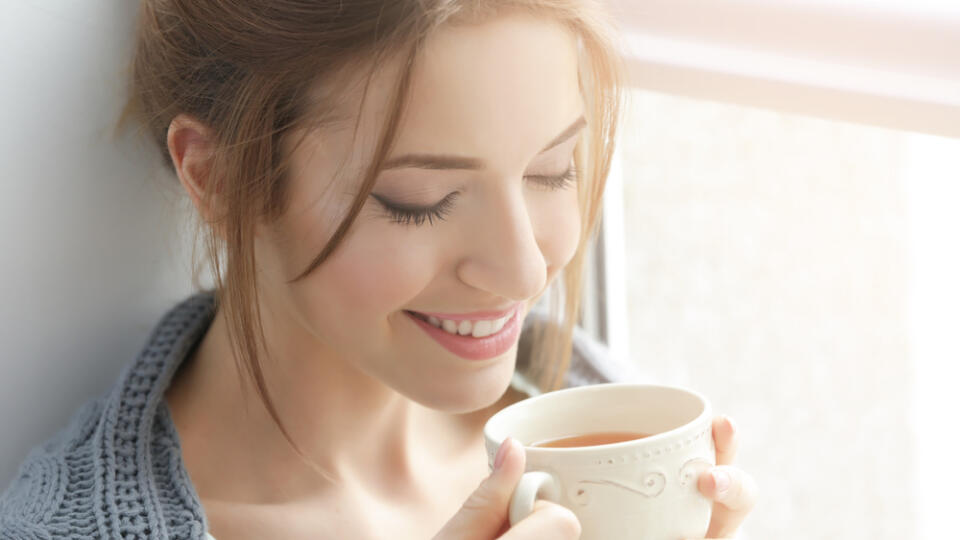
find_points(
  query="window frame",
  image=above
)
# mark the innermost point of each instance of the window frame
(876, 64)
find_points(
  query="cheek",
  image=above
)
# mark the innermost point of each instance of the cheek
(371, 276)
(558, 226)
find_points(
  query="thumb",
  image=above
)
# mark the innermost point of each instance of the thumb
(484, 513)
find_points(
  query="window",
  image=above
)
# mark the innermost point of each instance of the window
(780, 233)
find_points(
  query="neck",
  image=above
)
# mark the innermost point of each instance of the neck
(356, 429)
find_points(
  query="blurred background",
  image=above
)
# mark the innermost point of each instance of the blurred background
(780, 233)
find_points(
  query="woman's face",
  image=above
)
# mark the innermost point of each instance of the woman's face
(504, 222)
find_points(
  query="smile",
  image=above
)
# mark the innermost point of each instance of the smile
(473, 340)
(477, 329)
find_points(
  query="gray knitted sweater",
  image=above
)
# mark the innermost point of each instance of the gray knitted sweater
(115, 471)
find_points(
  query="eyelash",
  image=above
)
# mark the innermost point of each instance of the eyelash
(404, 216)
(419, 216)
(557, 182)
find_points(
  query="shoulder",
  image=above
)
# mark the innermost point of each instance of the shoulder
(19, 529)
(60, 466)
(115, 468)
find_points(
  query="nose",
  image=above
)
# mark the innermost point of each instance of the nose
(503, 256)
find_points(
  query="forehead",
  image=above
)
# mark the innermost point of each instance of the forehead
(500, 89)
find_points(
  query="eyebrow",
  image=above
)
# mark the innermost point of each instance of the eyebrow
(447, 161)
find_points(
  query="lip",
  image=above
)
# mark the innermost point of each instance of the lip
(470, 347)
(488, 315)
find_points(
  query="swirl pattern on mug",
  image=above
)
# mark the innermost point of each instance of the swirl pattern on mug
(691, 470)
(651, 485)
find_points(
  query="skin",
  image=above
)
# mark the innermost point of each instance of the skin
(388, 412)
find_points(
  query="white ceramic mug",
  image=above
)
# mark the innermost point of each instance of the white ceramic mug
(639, 489)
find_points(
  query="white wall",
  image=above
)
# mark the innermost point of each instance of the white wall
(88, 230)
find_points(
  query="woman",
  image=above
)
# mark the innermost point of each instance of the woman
(386, 189)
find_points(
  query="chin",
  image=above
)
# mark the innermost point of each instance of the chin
(470, 393)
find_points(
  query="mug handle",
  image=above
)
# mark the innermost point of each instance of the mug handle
(533, 485)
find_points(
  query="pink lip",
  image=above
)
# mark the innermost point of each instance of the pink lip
(475, 316)
(470, 347)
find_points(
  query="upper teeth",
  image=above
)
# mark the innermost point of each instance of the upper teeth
(471, 328)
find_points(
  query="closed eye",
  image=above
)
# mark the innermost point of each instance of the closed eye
(556, 181)
(418, 215)
(405, 214)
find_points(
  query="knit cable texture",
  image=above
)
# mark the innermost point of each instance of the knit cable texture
(115, 470)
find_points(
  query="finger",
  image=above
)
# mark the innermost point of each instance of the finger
(725, 439)
(548, 520)
(485, 510)
(734, 493)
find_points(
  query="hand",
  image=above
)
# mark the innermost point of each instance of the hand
(484, 515)
(733, 502)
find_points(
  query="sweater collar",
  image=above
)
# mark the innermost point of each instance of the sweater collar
(144, 484)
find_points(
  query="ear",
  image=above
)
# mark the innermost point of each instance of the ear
(191, 145)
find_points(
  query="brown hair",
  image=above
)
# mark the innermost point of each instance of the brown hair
(248, 70)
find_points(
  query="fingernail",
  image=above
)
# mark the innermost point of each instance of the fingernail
(733, 427)
(721, 480)
(501, 454)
